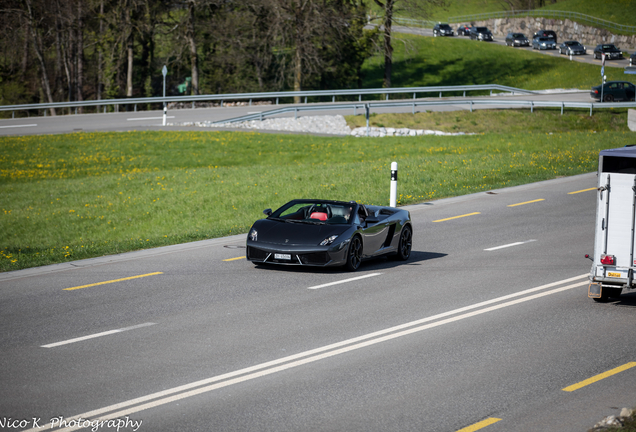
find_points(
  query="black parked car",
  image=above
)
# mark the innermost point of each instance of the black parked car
(610, 50)
(546, 33)
(517, 39)
(442, 30)
(543, 43)
(614, 91)
(480, 33)
(572, 48)
(463, 30)
(632, 59)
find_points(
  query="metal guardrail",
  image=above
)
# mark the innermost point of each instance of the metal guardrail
(472, 102)
(266, 96)
(545, 13)
(410, 22)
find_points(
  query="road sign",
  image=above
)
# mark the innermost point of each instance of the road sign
(164, 71)
(602, 70)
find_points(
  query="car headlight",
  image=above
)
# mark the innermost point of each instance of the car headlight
(328, 240)
(253, 234)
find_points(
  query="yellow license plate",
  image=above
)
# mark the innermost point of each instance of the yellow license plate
(611, 274)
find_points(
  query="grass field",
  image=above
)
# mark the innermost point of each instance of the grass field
(68, 197)
(420, 61)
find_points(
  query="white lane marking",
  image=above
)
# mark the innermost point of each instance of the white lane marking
(509, 245)
(345, 281)
(310, 356)
(96, 335)
(14, 126)
(254, 371)
(148, 118)
(254, 112)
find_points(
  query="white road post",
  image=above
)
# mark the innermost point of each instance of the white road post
(394, 177)
(164, 72)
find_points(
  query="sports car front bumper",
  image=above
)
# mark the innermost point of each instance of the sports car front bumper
(320, 256)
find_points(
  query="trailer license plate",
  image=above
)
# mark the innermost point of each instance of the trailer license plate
(282, 256)
(611, 274)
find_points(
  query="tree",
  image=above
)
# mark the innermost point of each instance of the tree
(390, 7)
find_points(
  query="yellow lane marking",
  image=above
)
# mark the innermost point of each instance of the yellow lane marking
(482, 424)
(234, 259)
(600, 377)
(112, 281)
(583, 190)
(527, 202)
(456, 217)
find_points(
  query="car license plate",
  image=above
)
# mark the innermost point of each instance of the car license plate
(611, 274)
(282, 256)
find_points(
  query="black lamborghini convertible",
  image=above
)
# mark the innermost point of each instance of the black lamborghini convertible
(329, 233)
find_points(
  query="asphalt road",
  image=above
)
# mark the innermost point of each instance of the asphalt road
(484, 327)
(153, 120)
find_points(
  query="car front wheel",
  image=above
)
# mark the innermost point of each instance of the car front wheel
(354, 254)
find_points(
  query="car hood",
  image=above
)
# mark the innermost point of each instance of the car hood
(291, 233)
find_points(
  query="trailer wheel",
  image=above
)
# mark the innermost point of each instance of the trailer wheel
(609, 293)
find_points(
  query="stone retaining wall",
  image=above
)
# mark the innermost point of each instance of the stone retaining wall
(565, 30)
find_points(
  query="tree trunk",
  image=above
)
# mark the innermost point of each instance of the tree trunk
(129, 77)
(37, 45)
(194, 60)
(100, 52)
(80, 54)
(388, 48)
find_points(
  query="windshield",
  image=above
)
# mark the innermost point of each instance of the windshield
(315, 212)
(445, 27)
(482, 29)
(518, 35)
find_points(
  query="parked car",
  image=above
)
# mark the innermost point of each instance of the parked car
(572, 48)
(546, 33)
(610, 50)
(480, 33)
(463, 30)
(517, 39)
(632, 59)
(442, 30)
(543, 43)
(614, 91)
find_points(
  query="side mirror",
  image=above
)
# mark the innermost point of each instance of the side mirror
(267, 212)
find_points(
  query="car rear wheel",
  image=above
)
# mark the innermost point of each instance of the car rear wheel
(354, 254)
(405, 244)
(608, 98)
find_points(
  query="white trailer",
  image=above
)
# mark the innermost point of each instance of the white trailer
(613, 261)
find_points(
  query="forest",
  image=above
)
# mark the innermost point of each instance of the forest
(75, 50)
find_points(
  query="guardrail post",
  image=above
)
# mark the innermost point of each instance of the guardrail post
(531, 106)
(464, 93)
(562, 105)
(413, 108)
(305, 99)
(276, 101)
(413, 95)
(387, 97)
(440, 94)
(295, 113)
(471, 106)
(359, 98)
(250, 101)
(333, 99)
(591, 105)
(193, 106)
